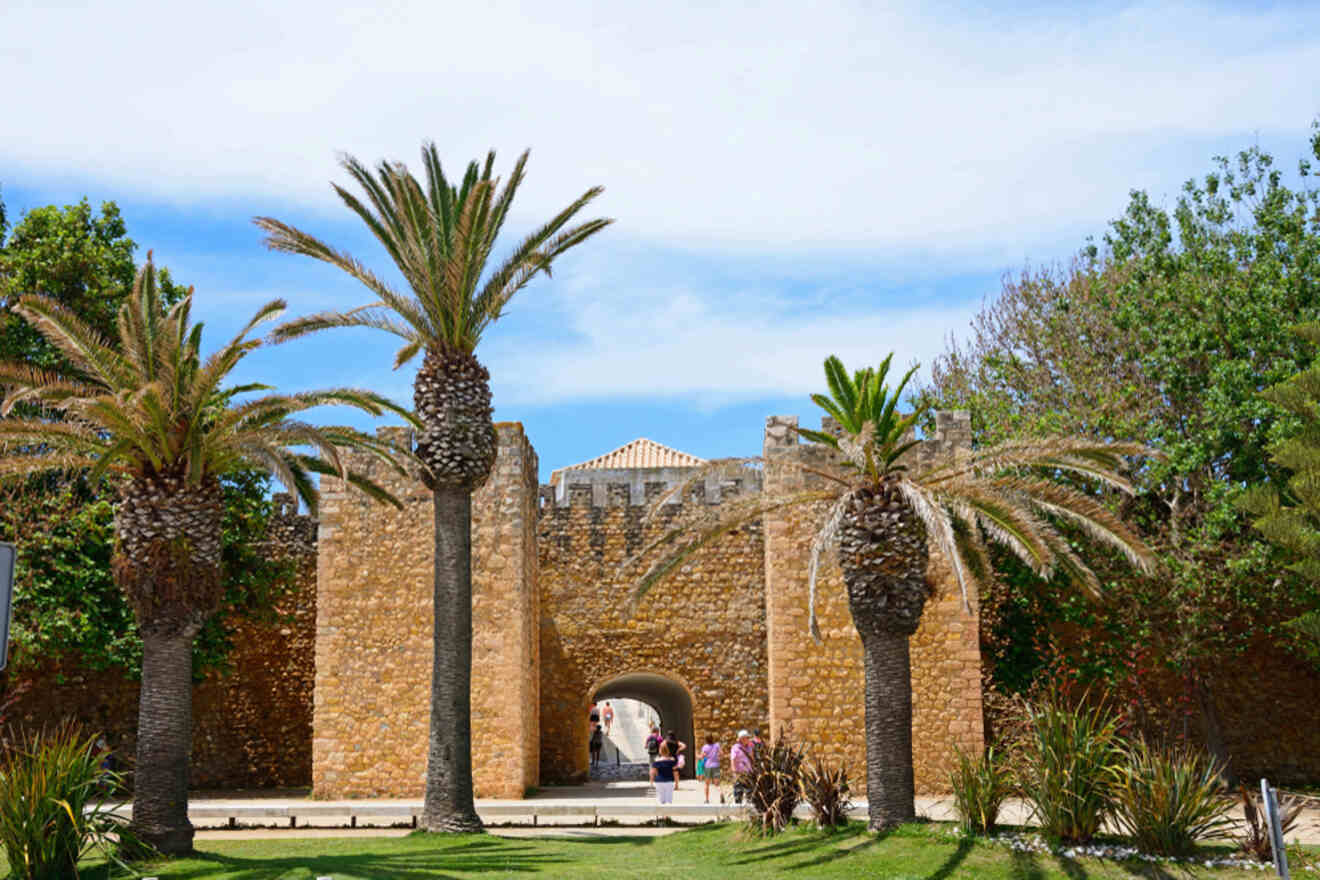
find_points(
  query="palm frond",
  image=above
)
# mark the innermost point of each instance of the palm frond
(1092, 517)
(83, 346)
(826, 537)
(689, 539)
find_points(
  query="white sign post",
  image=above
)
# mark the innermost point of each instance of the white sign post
(7, 554)
(1270, 801)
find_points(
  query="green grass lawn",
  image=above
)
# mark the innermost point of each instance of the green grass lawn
(726, 852)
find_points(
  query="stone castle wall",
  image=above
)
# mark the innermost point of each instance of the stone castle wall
(374, 631)
(702, 627)
(816, 691)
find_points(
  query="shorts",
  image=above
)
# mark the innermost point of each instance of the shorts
(713, 773)
(664, 792)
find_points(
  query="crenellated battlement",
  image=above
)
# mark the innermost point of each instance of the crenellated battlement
(640, 487)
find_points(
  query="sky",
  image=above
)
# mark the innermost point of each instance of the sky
(787, 180)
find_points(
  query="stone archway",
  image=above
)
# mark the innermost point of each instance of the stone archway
(670, 698)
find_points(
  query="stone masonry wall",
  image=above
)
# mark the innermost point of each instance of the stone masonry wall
(252, 724)
(817, 690)
(374, 631)
(506, 647)
(702, 627)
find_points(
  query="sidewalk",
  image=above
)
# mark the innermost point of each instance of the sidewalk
(602, 806)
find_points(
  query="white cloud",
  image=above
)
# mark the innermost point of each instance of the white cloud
(767, 127)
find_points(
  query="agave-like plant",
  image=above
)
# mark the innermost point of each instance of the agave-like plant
(147, 411)
(440, 236)
(884, 514)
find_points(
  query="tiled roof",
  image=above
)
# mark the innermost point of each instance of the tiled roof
(641, 453)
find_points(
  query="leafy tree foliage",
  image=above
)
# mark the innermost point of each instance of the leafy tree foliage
(82, 260)
(1289, 516)
(65, 599)
(1164, 333)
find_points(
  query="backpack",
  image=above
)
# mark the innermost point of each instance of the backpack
(653, 745)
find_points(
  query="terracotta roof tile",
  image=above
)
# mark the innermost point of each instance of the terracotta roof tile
(640, 453)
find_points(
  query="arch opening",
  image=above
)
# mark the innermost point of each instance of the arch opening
(670, 701)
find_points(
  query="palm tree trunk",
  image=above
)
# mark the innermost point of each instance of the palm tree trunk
(449, 805)
(889, 787)
(160, 792)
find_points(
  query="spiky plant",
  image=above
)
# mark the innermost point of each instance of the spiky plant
(440, 236)
(884, 515)
(148, 411)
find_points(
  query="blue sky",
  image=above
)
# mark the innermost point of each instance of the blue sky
(852, 180)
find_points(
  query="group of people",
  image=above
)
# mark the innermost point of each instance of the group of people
(667, 760)
(601, 721)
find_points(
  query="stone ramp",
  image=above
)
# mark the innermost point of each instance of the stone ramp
(607, 771)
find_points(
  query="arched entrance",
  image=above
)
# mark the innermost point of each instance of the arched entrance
(670, 699)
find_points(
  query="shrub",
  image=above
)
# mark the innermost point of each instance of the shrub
(774, 785)
(1169, 800)
(1068, 766)
(1254, 841)
(826, 790)
(51, 808)
(980, 787)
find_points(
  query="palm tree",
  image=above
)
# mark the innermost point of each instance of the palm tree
(149, 413)
(440, 237)
(884, 516)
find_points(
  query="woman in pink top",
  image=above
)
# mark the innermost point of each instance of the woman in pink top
(710, 756)
(740, 756)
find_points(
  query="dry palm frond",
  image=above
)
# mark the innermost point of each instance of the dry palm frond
(826, 538)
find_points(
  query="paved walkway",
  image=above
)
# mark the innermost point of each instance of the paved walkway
(291, 813)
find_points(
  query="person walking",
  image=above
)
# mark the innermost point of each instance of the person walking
(593, 715)
(676, 750)
(653, 743)
(664, 775)
(740, 762)
(710, 766)
(597, 743)
(608, 716)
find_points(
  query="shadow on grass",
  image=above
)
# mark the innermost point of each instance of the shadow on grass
(955, 859)
(472, 856)
(803, 840)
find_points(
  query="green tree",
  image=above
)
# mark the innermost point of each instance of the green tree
(151, 413)
(75, 257)
(1164, 333)
(1295, 526)
(885, 513)
(440, 236)
(66, 602)
(65, 598)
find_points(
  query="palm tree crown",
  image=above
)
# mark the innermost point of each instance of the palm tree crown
(440, 236)
(150, 407)
(1005, 493)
